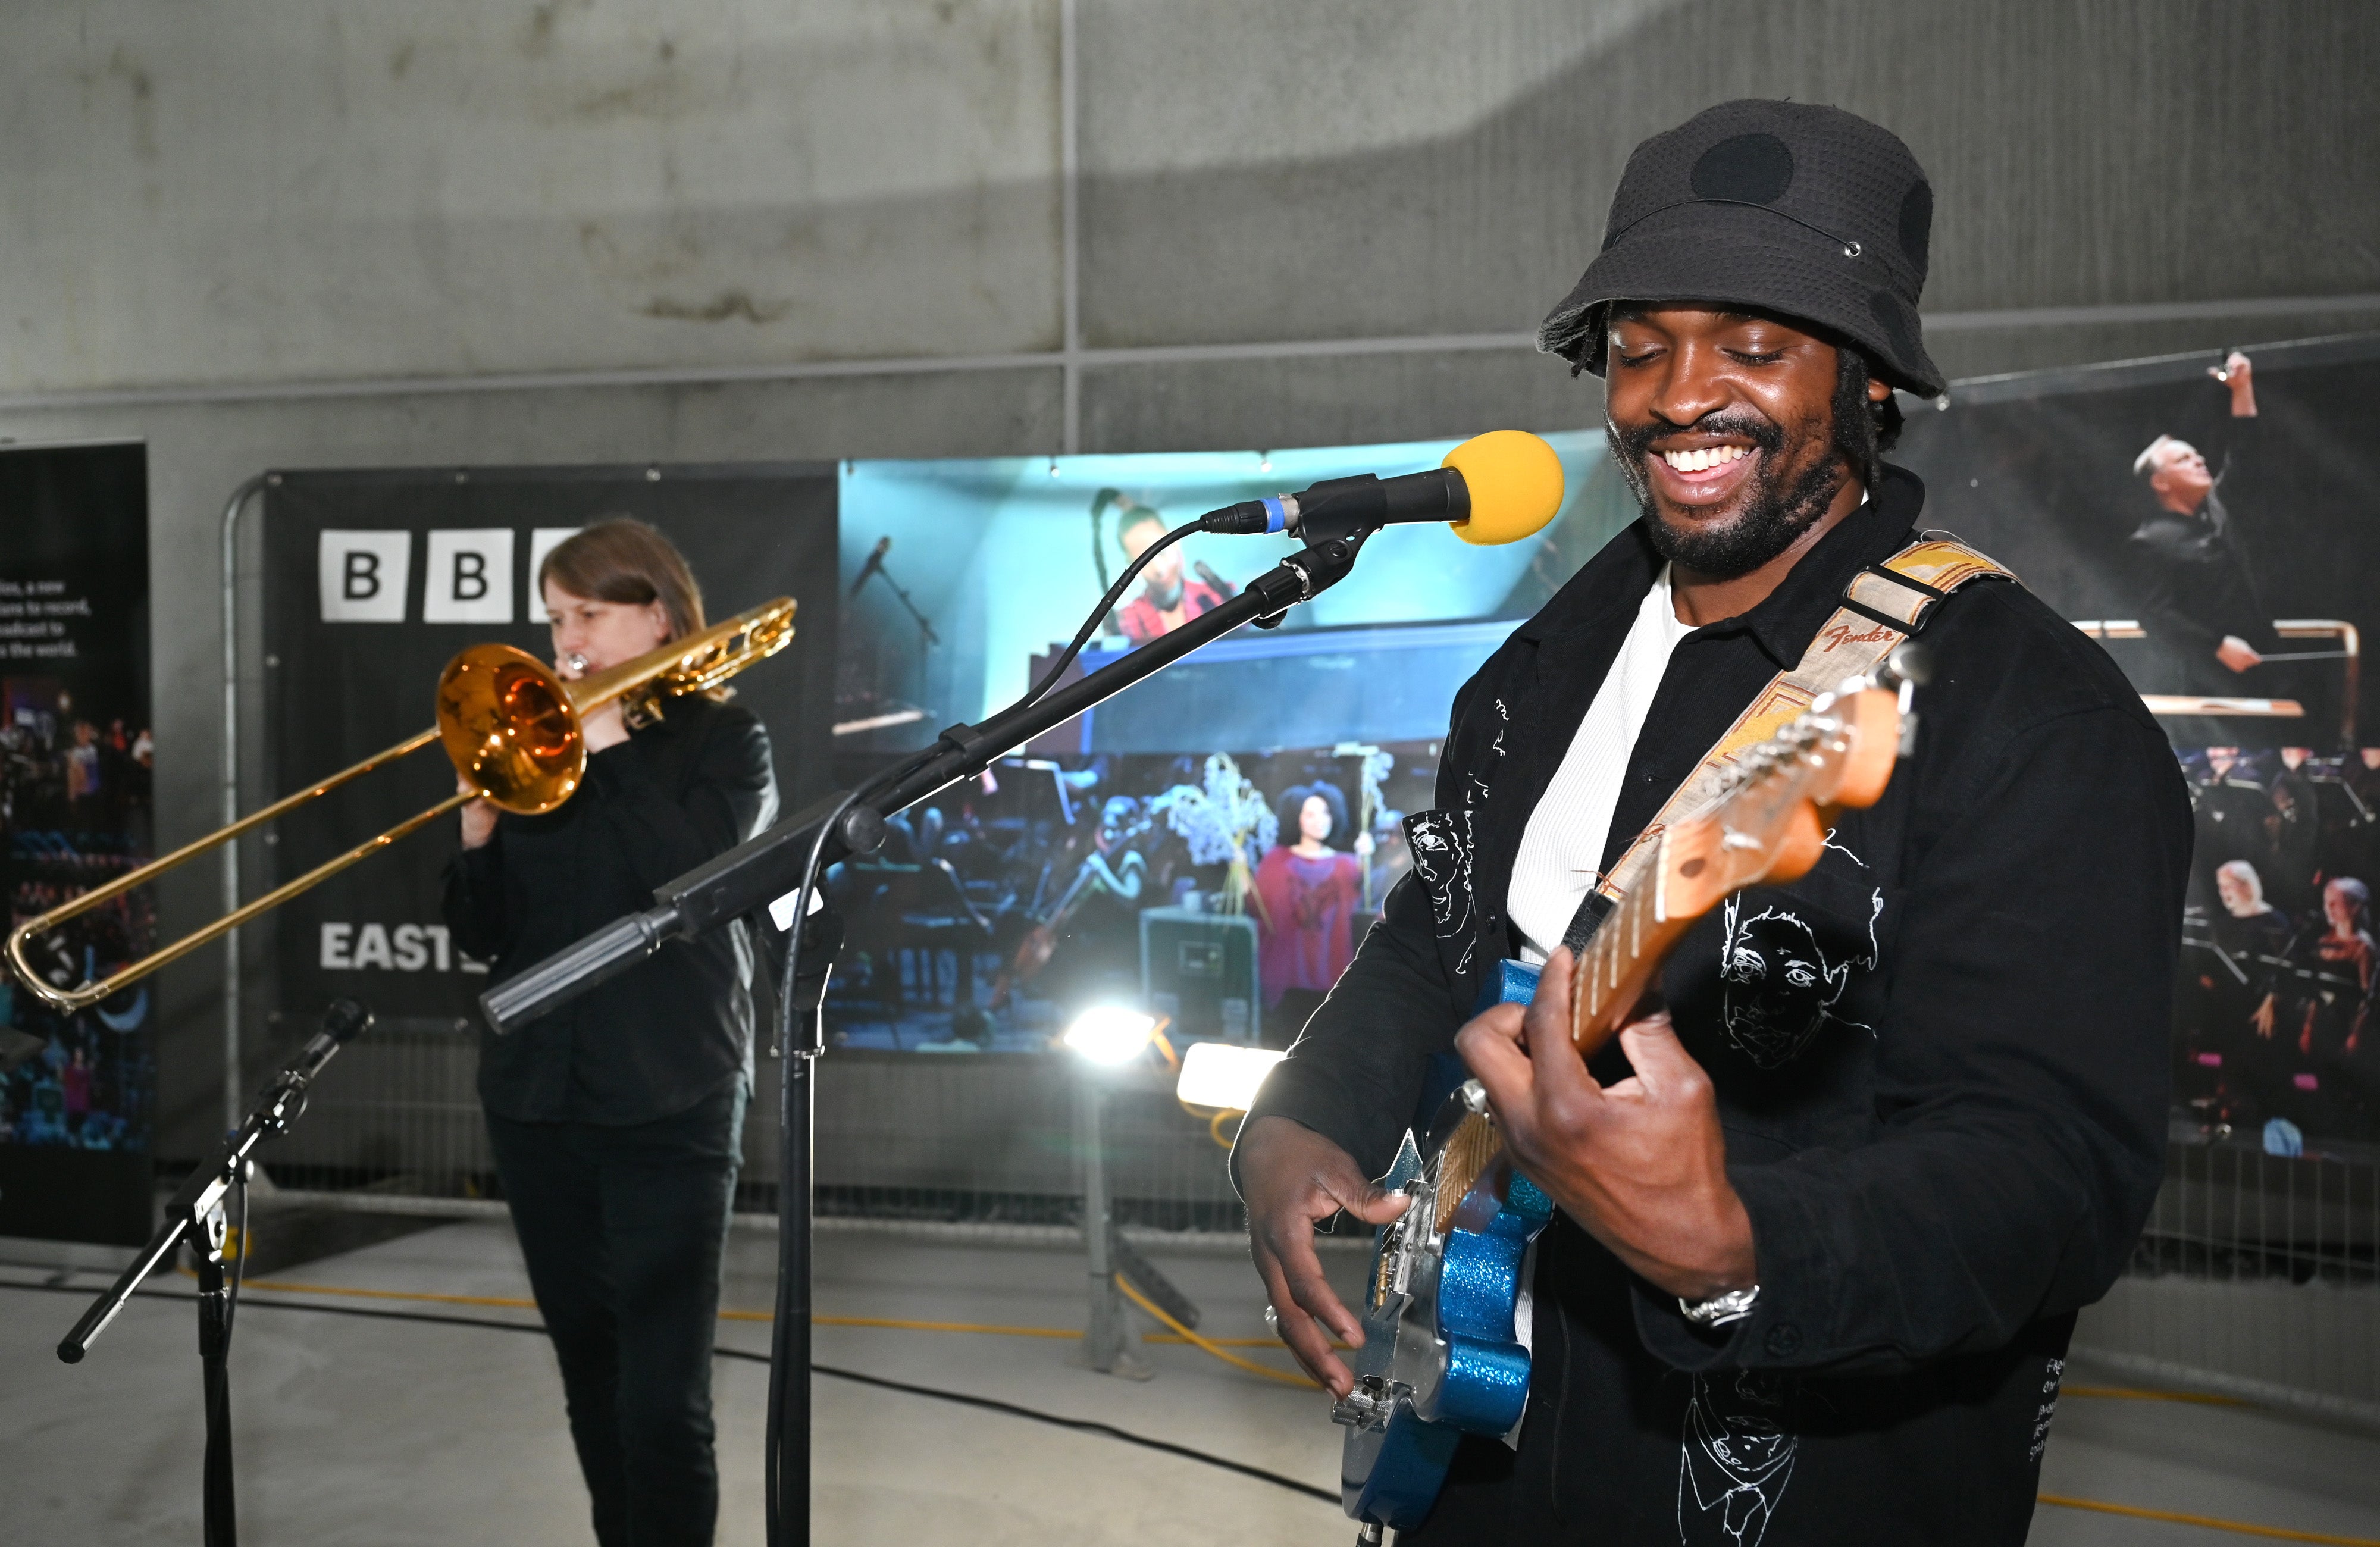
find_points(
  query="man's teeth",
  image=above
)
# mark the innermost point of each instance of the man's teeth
(1705, 458)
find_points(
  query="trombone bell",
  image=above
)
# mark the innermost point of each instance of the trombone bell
(510, 728)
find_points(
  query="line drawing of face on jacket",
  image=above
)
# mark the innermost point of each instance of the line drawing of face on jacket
(1780, 989)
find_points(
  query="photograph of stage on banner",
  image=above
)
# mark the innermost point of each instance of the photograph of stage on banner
(1209, 846)
(2206, 517)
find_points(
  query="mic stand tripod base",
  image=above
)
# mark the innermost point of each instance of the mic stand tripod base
(195, 1215)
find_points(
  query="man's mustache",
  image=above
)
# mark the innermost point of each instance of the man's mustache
(1636, 441)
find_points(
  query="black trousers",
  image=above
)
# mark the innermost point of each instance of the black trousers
(623, 1228)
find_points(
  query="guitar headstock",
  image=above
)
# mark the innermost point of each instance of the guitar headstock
(1770, 823)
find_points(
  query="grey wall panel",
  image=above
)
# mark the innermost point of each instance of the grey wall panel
(1333, 401)
(1992, 351)
(254, 192)
(1363, 167)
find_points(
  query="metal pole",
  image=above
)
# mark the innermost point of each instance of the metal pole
(233, 1081)
(1070, 238)
(793, 1223)
(1106, 1344)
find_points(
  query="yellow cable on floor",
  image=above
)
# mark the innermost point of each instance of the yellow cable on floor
(883, 1321)
(1207, 1344)
(908, 1326)
(2133, 1394)
(1235, 1342)
(2273, 1532)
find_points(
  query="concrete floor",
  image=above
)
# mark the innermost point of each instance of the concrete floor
(390, 1432)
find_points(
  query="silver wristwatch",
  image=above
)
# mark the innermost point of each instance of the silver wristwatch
(1719, 1309)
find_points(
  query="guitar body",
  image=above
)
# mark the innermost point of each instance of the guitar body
(1446, 1340)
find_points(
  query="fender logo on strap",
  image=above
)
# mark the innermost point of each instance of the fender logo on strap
(1838, 634)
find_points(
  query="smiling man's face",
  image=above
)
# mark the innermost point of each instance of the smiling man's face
(1723, 424)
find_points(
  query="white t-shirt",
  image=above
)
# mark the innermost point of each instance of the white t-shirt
(1563, 844)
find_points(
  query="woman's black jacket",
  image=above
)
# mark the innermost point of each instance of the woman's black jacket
(673, 1029)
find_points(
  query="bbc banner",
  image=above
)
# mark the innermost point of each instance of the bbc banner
(373, 580)
(77, 1092)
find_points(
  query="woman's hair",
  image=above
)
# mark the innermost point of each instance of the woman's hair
(1292, 807)
(2359, 897)
(622, 559)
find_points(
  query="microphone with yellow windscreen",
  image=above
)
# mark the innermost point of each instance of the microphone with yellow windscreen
(1499, 487)
(1514, 484)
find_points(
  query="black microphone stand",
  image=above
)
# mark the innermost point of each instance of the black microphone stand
(926, 638)
(195, 1213)
(777, 862)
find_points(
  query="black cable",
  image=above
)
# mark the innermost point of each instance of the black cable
(1085, 1426)
(1107, 605)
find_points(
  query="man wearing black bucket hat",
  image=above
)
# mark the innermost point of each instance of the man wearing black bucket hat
(1824, 1225)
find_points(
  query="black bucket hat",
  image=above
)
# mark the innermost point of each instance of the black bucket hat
(1781, 207)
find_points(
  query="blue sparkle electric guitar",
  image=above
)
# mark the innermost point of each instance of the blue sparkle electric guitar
(1446, 1311)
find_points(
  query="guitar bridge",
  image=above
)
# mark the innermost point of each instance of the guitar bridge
(1371, 1403)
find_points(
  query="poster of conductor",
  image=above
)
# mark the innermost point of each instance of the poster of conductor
(2208, 518)
(77, 1090)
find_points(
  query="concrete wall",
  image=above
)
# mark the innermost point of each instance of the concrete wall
(456, 231)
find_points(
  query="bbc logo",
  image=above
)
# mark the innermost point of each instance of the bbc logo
(467, 575)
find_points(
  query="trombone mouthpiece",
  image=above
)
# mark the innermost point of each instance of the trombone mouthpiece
(576, 662)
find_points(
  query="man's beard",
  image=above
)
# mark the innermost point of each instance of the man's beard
(1772, 518)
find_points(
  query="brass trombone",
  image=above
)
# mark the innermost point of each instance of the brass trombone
(509, 725)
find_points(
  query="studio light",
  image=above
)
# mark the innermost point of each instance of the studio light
(1219, 1075)
(1109, 1035)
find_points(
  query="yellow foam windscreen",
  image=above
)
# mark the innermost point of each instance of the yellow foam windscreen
(1515, 482)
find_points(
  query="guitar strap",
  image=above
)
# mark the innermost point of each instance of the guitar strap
(1884, 605)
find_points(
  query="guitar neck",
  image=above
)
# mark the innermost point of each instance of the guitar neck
(1619, 963)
